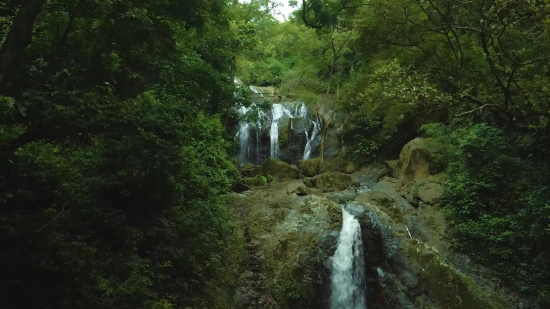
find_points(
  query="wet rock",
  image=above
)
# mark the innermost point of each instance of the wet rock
(355, 209)
(341, 197)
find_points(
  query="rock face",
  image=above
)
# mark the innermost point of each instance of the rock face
(405, 258)
(290, 239)
(292, 227)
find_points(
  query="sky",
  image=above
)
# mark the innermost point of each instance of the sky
(284, 10)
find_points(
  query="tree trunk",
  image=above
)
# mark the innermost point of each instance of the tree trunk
(18, 38)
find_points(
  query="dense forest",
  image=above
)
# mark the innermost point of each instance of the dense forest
(116, 149)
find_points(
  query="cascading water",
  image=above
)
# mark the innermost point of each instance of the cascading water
(243, 136)
(277, 112)
(347, 273)
(308, 148)
(245, 129)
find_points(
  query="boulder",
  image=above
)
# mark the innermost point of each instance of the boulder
(296, 187)
(333, 181)
(279, 169)
(427, 190)
(343, 165)
(418, 159)
(251, 170)
(313, 167)
(251, 181)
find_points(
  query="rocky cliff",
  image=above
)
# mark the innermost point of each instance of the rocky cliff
(292, 226)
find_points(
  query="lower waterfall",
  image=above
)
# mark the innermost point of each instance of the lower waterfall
(347, 269)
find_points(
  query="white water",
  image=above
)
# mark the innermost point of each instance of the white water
(243, 136)
(347, 273)
(277, 112)
(244, 133)
(309, 141)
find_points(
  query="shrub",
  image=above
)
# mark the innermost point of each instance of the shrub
(496, 204)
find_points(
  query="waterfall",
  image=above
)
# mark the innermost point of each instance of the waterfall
(303, 110)
(309, 141)
(244, 132)
(277, 112)
(347, 273)
(243, 136)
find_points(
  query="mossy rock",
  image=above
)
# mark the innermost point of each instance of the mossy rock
(279, 170)
(251, 170)
(447, 287)
(342, 165)
(295, 241)
(314, 167)
(419, 159)
(333, 181)
(251, 181)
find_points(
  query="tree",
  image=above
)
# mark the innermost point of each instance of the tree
(114, 163)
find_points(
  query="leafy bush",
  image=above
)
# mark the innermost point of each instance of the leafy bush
(496, 203)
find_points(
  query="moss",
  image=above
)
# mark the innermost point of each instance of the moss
(279, 169)
(313, 167)
(330, 181)
(447, 286)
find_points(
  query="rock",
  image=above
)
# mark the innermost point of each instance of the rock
(405, 272)
(313, 167)
(343, 166)
(330, 181)
(355, 210)
(418, 159)
(279, 169)
(341, 197)
(392, 165)
(251, 181)
(301, 124)
(296, 187)
(295, 235)
(251, 170)
(431, 193)
(445, 285)
(427, 190)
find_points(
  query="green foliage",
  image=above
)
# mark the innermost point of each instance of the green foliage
(496, 205)
(364, 151)
(113, 161)
(262, 180)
